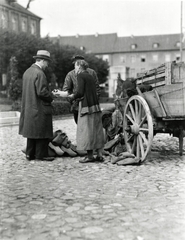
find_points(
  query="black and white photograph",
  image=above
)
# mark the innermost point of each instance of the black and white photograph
(92, 120)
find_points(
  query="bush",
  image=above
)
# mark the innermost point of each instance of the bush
(104, 94)
(106, 100)
(15, 90)
(16, 105)
(61, 107)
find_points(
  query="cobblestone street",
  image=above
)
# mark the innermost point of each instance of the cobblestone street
(67, 200)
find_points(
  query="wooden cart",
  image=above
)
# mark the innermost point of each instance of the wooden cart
(161, 110)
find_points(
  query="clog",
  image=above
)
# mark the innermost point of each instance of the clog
(57, 149)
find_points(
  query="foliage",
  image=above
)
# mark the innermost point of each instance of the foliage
(61, 107)
(106, 100)
(63, 64)
(15, 86)
(23, 47)
(100, 66)
(16, 105)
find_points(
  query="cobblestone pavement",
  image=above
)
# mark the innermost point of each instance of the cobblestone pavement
(67, 200)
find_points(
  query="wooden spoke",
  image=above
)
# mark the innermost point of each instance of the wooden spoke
(134, 144)
(130, 137)
(137, 149)
(144, 129)
(140, 109)
(144, 138)
(141, 145)
(136, 108)
(132, 111)
(143, 120)
(132, 120)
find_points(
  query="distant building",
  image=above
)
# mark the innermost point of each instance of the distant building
(127, 55)
(17, 19)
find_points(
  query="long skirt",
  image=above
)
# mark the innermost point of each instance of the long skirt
(90, 134)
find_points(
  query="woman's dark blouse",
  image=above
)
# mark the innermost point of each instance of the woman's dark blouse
(86, 89)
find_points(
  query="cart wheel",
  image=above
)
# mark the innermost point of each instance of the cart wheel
(138, 127)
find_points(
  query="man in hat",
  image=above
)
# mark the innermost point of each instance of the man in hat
(36, 111)
(70, 85)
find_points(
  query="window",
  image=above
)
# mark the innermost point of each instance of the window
(24, 24)
(155, 45)
(167, 58)
(133, 46)
(178, 57)
(143, 58)
(132, 72)
(105, 58)
(4, 18)
(122, 59)
(14, 22)
(155, 57)
(33, 27)
(133, 58)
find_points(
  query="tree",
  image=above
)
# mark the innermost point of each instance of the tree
(23, 47)
(63, 57)
(15, 86)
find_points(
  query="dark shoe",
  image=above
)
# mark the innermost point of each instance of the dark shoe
(86, 160)
(46, 159)
(24, 150)
(99, 159)
(29, 157)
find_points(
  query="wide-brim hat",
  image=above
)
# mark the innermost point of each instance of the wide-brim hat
(77, 57)
(43, 54)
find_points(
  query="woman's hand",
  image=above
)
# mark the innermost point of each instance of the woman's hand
(70, 97)
(58, 93)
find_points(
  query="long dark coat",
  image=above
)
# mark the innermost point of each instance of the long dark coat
(36, 113)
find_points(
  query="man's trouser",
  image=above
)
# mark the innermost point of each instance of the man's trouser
(37, 148)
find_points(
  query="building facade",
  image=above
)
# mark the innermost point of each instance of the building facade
(127, 56)
(17, 19)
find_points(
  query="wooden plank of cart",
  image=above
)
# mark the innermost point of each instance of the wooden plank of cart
(161, 110)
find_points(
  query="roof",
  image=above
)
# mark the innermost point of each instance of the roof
(146, 43)
(92, 43)
(111, 43)
(17, 7)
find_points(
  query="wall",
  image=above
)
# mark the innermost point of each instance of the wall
(15, 20)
